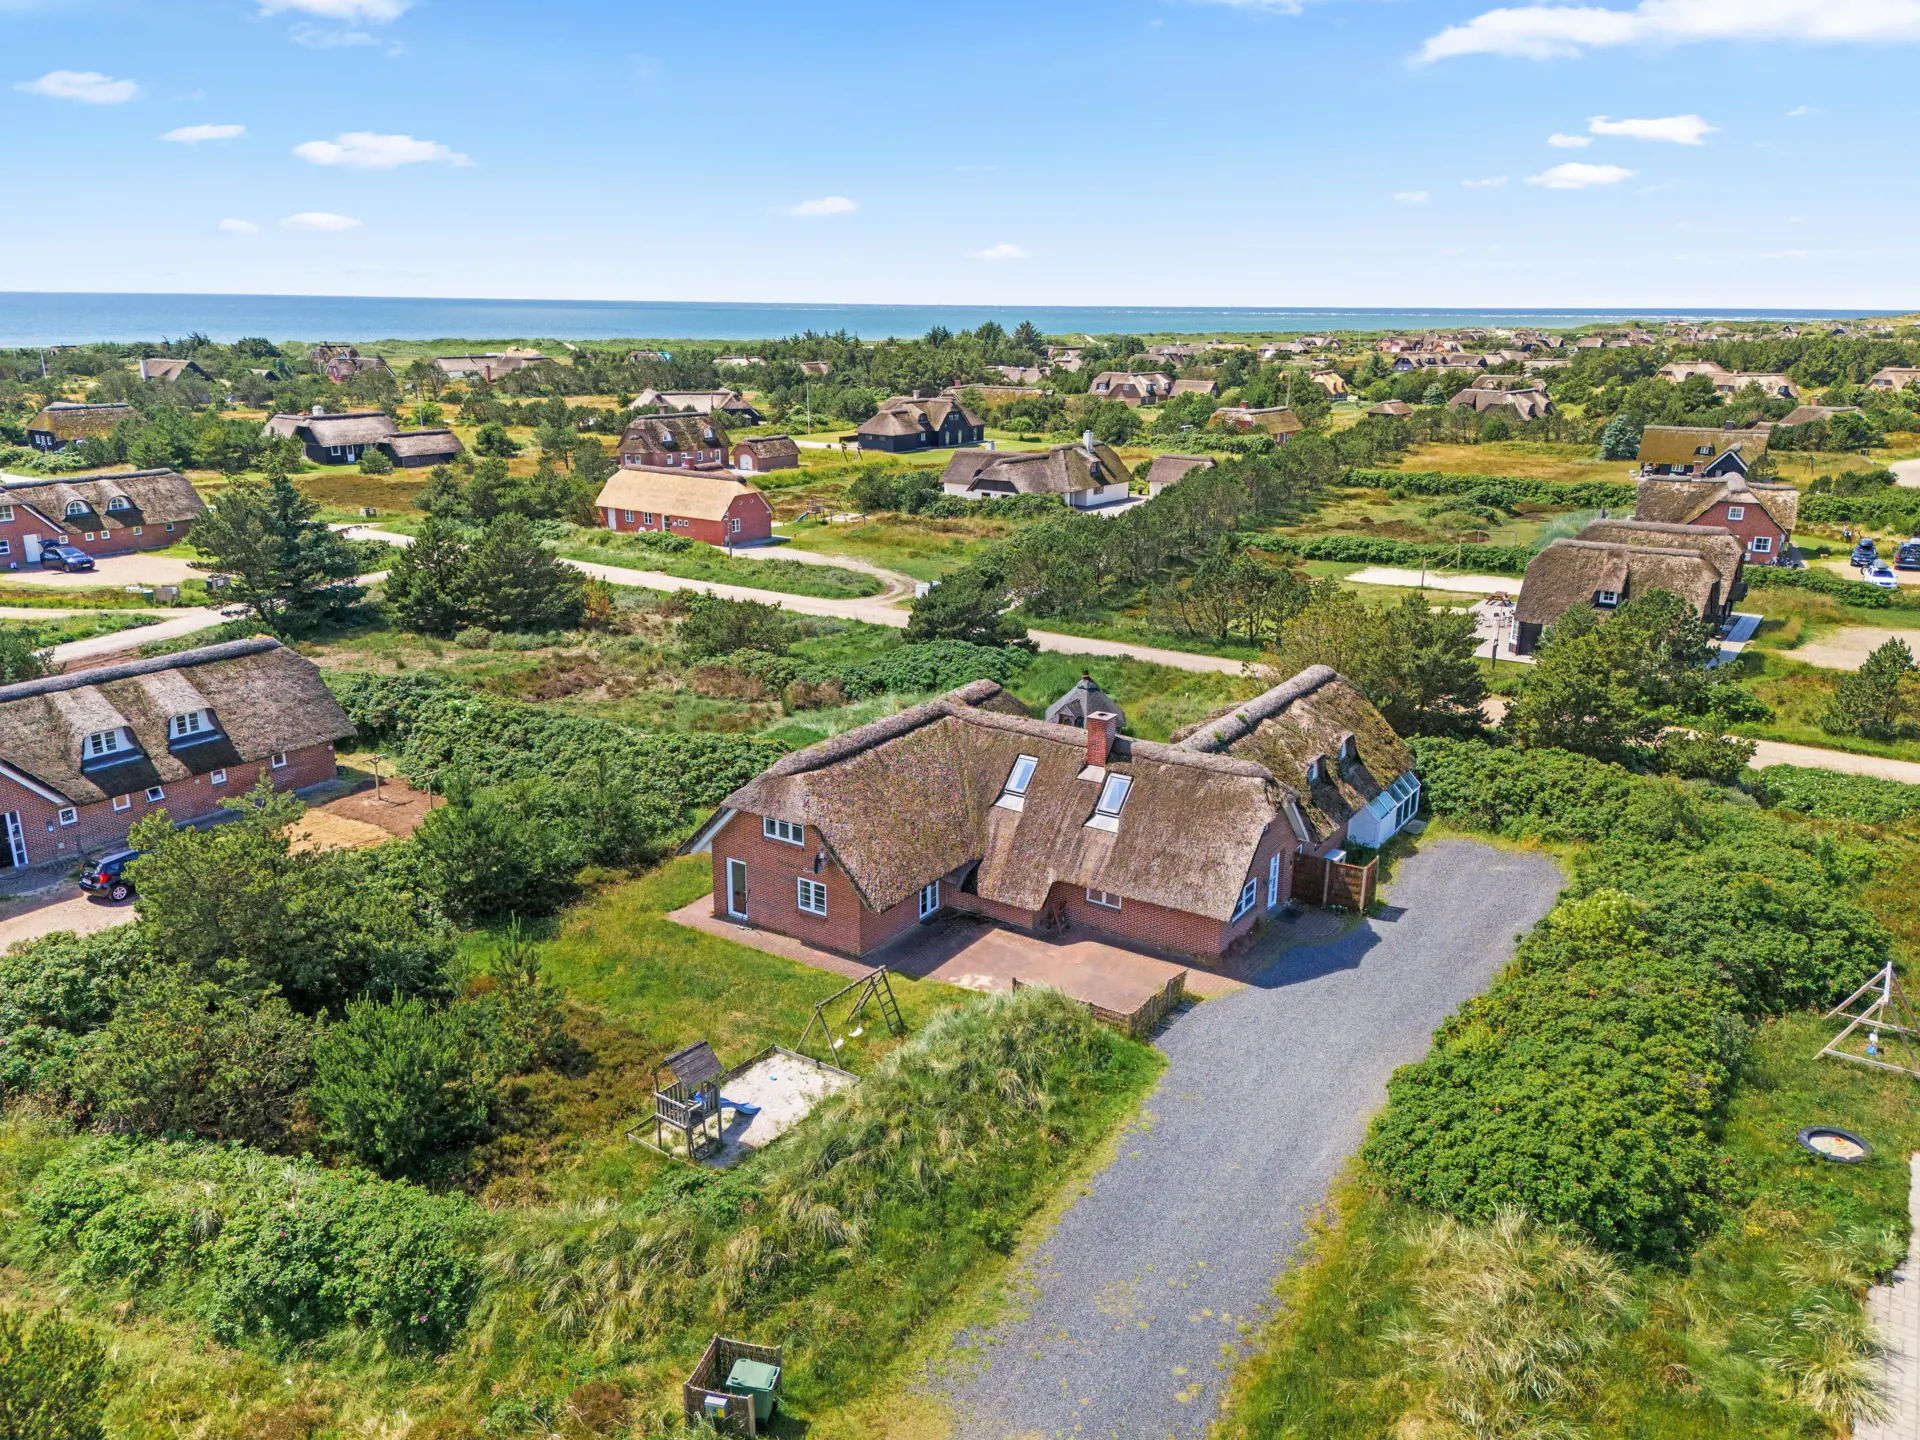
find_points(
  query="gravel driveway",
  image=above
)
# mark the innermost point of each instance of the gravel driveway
(1130, 1315)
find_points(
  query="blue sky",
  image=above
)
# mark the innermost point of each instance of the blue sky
(1203, 152)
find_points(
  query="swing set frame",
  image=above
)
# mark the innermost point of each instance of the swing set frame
(875, 990)
(1886, 1012)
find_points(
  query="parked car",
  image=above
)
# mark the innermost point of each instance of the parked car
(1865, 553)
(1909, 556)
(107, 876)
(67, 557)
(1879, 574)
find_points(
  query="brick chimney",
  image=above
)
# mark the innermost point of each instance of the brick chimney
(1102, 727)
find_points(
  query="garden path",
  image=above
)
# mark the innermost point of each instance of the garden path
(1894, 1309)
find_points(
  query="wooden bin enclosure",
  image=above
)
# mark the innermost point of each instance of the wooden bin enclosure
(1334, 882)
(1140, 1022)
(711, 1373)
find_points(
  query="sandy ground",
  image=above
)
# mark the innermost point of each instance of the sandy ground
(63, 907)
(785, 1087)
(1411, 579)
(1845, 648)
(1775, 752)
(1907, 473)
(110, 570)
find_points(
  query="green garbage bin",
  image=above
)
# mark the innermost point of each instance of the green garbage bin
(758, 1379)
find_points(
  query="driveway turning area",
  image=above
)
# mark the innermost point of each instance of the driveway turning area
(1127, 1319)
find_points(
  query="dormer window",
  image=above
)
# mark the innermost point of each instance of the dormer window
(193, 725)
(712, 439)
(77, 507)
(1013, 795)
(1607, 599)
(119, 502)
(103, 744)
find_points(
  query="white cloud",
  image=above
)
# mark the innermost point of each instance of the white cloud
(320, 220)
(89, 87)
(376, 12)
(1575, 175)
(993, 254)
(1411, 197)
(825, 205)
(1673, 129)
(1799, 110)
(194, 134)
(1569, 142)
(238, 227)
(314, 38)
(1546, 32)
(364, 150)
(1487, 184)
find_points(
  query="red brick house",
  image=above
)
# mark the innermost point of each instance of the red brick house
(713, 505)
(67, 422)
(970, 804)
(102, 514)
(84, 756)
(1762, 516)
(663, 441)
(766, 452)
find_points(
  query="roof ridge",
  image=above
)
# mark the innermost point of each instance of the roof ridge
(1243, 719)
(106, 674)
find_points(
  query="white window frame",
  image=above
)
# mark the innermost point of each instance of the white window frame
(1606, 597)
(155, 794)
(280, 760)
(6, 514)
(88, 535)
(218, 777)
(1736, 512)
(929, 899)
(119, 502)
(1113, 796)
(810, 896)
(123, 802)
(192, 722)
(1273, 880)
(77, 507)
(68, 815)
(1249, 897)
(1762, 545)
(6, 547)
(1013, 794)
(1105, 899)
(138, 529)
(102, 743)
(787, 831)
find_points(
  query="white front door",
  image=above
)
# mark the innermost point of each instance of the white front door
(737, 889)
(16, 840)
(32, 542)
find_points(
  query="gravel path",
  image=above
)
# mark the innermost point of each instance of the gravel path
(1131, 1314)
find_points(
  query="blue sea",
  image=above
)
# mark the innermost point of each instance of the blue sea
(64, 318)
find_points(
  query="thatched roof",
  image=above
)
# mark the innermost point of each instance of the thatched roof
(1571, 572)
(673, 432)
(690, 494)
(911, 798)
(264, 697)
(162, 369)
(66, 420)
(771, 447)
(1196, 387)
(700, 402)
(1681, 502)
(904, 415)
(1058, 470)
(355, 427)
(151, 497)
(1722, 548)
(1170, 469)
(1809, 414)
(1395, 409)
(1317, 715)
(1698, 445)
(1274, 419)
(413, 444)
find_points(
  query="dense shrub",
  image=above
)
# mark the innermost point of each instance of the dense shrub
(1889, 509)
(1585, 1087)
(1550, 795)
(402, 1085)
(53, 991)
(279, 1250)
(1825, 582)
(432, 725)
(1369, 550)
(1575, 495)
(1826, 795)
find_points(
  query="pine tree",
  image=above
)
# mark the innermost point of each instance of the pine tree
(283, 564)
(514, 583)
(426, 588)
(1621, 439)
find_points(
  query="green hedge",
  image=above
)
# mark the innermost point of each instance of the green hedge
(434, 725)
(1826, 795)
(1825, 582)
(937, 665)
(1588, 1083)
(1893, 509)
(1573, 494)
(262, 1246)
(1366, 550)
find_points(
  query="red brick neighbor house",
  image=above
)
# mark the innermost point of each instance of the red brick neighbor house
(67, 422)
(666, 441)
(1761, 516)
(102, 514)
(970, 804)
(84, 756)
(712, 505)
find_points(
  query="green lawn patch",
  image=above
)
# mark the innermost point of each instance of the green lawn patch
(922, 547)
(703, 562)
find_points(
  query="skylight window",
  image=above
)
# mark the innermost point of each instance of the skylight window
(1113, 795)
(1014, 795)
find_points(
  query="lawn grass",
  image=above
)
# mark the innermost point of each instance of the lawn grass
(918, 546)
(81, 627)
(1523, 458)
(1130, 628)
(704, 562)
(1799, 695)
(1372, 513)
(98, 597)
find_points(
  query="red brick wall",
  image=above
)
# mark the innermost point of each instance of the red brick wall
(101, 827)
(105, 542)
(954, 899)
(773, 870)
(1755, 522)
(749, 508)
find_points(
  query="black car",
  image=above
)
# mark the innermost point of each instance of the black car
(1865, 553)
(1909, 556)
(106, 876)
(67, 557)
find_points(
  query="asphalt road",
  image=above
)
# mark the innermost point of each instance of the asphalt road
(1132, 1313)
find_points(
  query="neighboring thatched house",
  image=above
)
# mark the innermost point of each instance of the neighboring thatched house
(1607, 573)
(335, 439)
(969, 804)
(489, 367)
(343, 362)
(712, 505)
(1774, 387)
(728, 404)
(415, 449)
(102, 514)
(67, 422)
(766, 452)
(1083, 476)
(1391, 410)
(1172, 469)
(1276, 420)
(86, 755)
(1196, 387)
(1331, 381)
(1148, 388)
(1528, 404)
(1682, 370)
(1021, 374)
(162, 369)
(1698, 452)
(1815, 414)
(672, 440)
(1763, 516)
(1894, 377)
(905, 423)
(816, 367)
